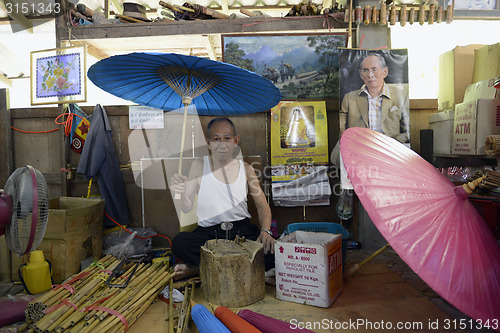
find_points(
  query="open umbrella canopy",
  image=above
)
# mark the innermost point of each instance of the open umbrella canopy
(427, 220)
(162, 80)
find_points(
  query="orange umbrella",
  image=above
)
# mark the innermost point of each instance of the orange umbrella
(235, 323)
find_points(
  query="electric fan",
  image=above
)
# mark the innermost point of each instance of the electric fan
(24, 209)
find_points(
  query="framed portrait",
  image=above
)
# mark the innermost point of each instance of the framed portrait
(302, 66)
(474, 9)
(58, 76)
(375, 80)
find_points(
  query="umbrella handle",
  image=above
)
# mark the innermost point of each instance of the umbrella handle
(178, 196)
(354, 268)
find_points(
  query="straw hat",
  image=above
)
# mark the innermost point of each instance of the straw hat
(135, 10)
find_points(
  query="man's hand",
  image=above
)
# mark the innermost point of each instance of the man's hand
(178, 184)
(268, 242)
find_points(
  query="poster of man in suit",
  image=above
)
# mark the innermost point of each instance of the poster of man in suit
(374, 91)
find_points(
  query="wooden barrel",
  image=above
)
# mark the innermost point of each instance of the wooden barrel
(232, 274)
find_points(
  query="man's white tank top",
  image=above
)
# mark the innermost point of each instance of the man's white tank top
(219, 202)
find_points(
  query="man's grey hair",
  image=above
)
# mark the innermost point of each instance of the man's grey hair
(381, 59)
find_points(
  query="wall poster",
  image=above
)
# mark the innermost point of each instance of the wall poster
(299, 154)
(58, 76)
(302, 66)
(299, 139)
(376, 78)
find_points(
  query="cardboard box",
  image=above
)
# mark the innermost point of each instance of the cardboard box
(455, 73)
(474, 121)
(309, 268)
(74, 232)
(481, 90)
(441, 124)
(486, 62)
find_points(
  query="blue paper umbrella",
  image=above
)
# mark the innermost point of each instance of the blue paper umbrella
(206, 321)
(169, 81)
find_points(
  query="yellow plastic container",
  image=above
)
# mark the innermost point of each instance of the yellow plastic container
(36, 273)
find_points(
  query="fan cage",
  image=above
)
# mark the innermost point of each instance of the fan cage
(20, 187)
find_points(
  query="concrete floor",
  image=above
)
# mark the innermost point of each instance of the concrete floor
(385, 291)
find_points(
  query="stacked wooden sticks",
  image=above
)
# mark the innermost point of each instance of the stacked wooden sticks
(86, 304)
(399, 13)
(490, 181)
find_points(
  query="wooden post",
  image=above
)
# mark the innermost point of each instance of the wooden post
(6, 155)
(6, 168)
(60, 21)
(232, 274)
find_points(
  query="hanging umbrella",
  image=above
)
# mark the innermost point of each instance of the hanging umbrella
(269, 325)
(169, 81)
(427, 220)
(233, 322)
(205, 320)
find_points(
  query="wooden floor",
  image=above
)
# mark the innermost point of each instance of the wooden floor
(383, 293)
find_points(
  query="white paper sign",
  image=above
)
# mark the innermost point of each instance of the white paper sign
(145, 117)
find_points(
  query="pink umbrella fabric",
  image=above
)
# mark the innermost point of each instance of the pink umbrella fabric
(269, 325)
(426, 220)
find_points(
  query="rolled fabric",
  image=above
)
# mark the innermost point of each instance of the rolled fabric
(270, 325)
(492, 145)
(233, 322)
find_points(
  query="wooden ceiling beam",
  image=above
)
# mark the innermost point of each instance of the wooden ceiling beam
(91, 49)
(209, 41)
(15, 13)
(118, 6)
(5, 80)
(218, 26)
(224, 6)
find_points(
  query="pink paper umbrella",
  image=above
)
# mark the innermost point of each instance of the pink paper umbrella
(269, 325)
(427, 220)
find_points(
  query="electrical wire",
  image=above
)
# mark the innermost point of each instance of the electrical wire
(34, 132)
(121, 226)
(68, 123)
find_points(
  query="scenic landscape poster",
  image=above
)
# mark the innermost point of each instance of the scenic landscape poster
(302, 66)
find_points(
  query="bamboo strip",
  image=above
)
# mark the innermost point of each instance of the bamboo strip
(411, 20)
(171, 306)
(77, 328)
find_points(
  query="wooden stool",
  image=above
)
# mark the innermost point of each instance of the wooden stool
(232, 274)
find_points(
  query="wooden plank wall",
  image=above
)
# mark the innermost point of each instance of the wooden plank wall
(45, 152)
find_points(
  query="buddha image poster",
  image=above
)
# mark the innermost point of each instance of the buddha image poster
(299, 139)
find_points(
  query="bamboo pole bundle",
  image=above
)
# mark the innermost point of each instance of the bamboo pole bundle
(127, 309)
(95, 306)
(53, 296)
